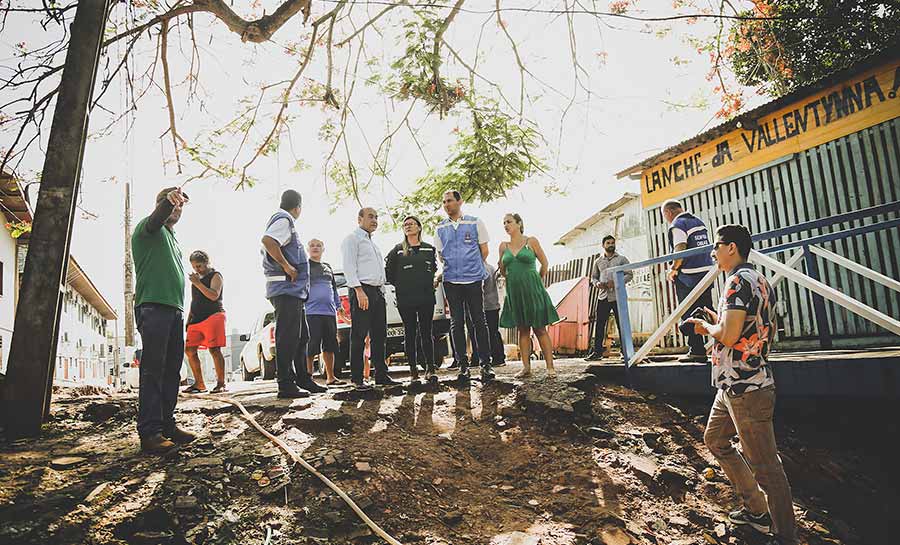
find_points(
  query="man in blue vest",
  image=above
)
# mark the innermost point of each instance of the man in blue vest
(287, 287)
(462, 245)
(687, 231)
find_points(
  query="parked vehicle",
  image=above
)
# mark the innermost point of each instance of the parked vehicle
(394, 342)
(258, 355)
(130, 370)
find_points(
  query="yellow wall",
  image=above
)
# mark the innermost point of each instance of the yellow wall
(865, 100)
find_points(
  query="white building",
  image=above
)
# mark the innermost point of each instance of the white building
(83, 354)
(623, 219)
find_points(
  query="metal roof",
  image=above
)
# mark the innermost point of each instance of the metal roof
(596, 218)
(873, 60)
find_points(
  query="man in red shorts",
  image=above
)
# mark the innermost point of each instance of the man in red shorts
(206, 322)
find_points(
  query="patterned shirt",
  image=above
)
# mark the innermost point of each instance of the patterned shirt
(744, 367)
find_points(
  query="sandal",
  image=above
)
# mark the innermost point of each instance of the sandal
(192, 389)
(218, 389)
(335, 382)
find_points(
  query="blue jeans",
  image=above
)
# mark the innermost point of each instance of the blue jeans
(162, 335)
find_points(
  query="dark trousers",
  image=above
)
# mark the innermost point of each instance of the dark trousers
(459, 297)
(291, 341)
(696, 342)
(470, 334)
(601, 317)
(492, 317)
(162, 333)
(417, 333)
(371, 322)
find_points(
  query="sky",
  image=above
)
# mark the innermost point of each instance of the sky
(628, 117)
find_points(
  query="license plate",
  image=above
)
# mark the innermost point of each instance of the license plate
(395, 331)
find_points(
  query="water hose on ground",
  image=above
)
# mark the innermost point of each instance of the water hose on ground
(297, 458)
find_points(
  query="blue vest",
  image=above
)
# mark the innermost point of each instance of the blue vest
(460, 250)
(277, 281)
(692, 268)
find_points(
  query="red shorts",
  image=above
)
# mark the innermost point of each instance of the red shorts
(210, 333)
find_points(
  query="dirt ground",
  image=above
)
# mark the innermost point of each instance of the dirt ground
(548, 461)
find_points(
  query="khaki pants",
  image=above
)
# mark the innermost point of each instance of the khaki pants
(758, 475)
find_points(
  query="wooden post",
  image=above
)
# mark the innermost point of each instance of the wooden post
(812, 270)
(33, 353)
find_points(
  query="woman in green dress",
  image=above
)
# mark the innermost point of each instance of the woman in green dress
(527, 305)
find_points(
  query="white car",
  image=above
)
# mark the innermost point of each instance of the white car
(258, 355)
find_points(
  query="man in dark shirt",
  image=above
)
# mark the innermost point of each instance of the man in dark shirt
(206, 322)
(158, 311)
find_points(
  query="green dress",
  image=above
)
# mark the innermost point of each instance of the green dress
(527, 302)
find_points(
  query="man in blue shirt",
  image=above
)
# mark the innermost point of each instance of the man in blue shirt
(286, 268)
(687, 231)
(461, 242)
(322, 308)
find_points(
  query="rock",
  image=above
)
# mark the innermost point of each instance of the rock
(101, 412)
(559, 489)
(313, 420)
(186, 503)
(204, 461)
(511, 411)
(329, 460)
(67, 462)
(437, 481)
(615, 536)
(363, 467)
(658, 525)
(517, 538)
(231, 516)
(452, 517)
(507, 487)
(533, 503)
(651, 439)
(679, 521)
(643, 466)
(674, 476)
(99, 493)
(721, 530)
(334, 517)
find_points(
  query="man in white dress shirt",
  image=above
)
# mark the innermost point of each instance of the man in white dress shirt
(364, 270)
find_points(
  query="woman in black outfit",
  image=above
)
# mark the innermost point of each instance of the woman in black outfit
(410, 268)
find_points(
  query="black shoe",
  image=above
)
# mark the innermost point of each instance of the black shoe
(454, 365)
(294, 393)
(362, 386)
(463, 374)
(475, 363)
(487, 373)
(760, 523)
(386, 381)
(694, 358)
(593, 356)
(311, 386)
(500, 364)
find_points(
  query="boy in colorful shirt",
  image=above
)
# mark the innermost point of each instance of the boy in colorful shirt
(745, 390)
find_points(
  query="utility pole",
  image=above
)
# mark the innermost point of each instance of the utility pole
(26, 398)
(129, 272)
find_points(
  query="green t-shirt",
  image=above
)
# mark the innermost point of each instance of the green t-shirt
(157, 262)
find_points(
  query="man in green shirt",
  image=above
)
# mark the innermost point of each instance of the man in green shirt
(158, 311)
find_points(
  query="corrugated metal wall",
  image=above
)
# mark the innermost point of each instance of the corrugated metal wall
(852, 172)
